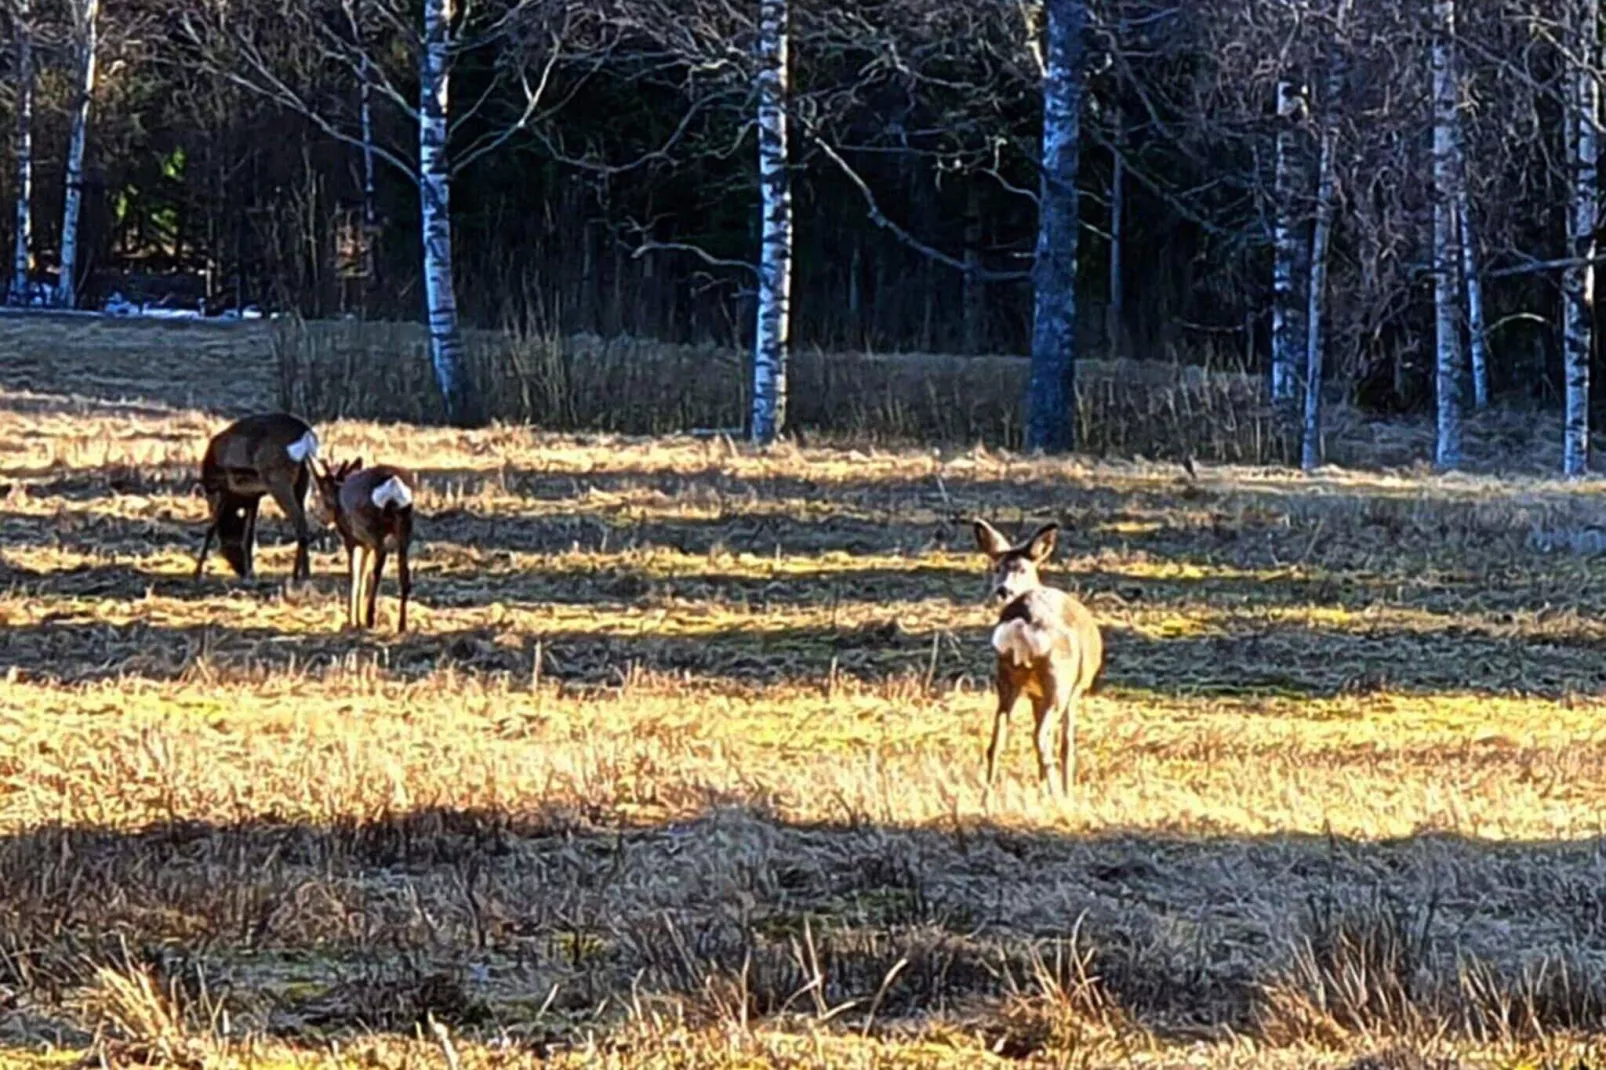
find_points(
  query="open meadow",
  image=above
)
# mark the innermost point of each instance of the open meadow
(679, 765)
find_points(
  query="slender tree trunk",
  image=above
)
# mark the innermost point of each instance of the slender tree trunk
(1321, 233)
(1578, 282)
(22, 26)
(368, 279)
(1051, 395)
(1446, 259)
(445, 337)
(975, 291)
(1115, 310)
(774, 316)
(370, 203)
(1475, 322)
(1287, 337)
(87, 15)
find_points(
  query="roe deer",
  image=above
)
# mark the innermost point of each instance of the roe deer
(1049, 649)
(270, 453)
(373, 510)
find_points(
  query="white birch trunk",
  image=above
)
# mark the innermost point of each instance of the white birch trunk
(1447, 319)
(774, 315)
(1578, 283)
(1474, 284)
(1051, 393)
(445, 339)
(1311, 453)
(1321, 233)
(1286, 336)
(22, 24)
(86, 15)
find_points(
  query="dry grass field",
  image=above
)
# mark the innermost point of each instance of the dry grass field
(680, 765)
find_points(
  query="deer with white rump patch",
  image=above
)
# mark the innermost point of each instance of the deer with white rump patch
(269, 453)
(1049, 649)
(373, 510)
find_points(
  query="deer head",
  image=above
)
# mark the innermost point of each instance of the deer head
(328, 481)
(1013, 570)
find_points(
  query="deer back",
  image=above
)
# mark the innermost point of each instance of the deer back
(253, 452)
(377, 502)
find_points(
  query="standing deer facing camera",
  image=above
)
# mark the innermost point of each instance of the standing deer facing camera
(373, 510)
(269, 453)
(1049, 649)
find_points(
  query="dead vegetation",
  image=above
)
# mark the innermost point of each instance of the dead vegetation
(681, 766)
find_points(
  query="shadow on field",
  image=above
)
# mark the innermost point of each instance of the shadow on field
(108, 481)
(523, 924)
(1276, 661)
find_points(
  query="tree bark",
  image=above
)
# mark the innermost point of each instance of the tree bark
(774, 315)
(974, 312)
(23, 28)
(1474, 284)
(1051, 393)
(445, 337)
(1287, 319)
(87, 16)
(370, 203)
(1321, 233)
(1578, 282)
(1115, 310)
(1448, 354)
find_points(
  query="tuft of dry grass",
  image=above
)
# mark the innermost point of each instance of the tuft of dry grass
(681, 765)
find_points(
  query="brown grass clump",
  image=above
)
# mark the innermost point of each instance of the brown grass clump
(681, 766)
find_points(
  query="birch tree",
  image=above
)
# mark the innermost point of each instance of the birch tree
(1477, 339)
(1051, 391)
(1578, 281)
(434, 200)
(1448, 368)
(86, 16)
(1321, 236)
(773, 327)
(1287, 338)
(22, 41)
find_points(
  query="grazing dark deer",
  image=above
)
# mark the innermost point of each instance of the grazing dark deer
(270, 453)
(1048, 645)
(373, 510)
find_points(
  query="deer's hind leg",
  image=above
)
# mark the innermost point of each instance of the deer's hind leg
(1069, 710)
(1044, 709)
(404, 572)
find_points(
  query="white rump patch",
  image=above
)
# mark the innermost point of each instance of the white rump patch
(303, 448)
(1021, 642)
(392, 492)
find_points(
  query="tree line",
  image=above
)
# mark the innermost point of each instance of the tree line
(1400, 201)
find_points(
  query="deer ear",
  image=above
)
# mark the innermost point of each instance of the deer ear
(1042, 544)
(989, 541)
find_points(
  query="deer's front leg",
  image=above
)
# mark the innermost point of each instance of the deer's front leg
(1008, 691)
